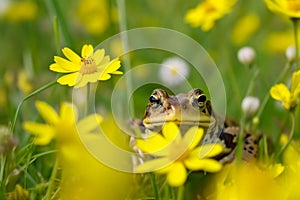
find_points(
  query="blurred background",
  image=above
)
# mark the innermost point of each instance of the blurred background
(33, 31)
(28, 42)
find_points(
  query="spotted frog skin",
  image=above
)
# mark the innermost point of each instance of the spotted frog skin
(194, 109)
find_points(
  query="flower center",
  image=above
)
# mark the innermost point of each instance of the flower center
(208, 7)
(88, 66)
(179, 151)
(293, 5)
(174, 70)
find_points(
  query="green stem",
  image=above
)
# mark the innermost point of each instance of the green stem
(56, 34)
(154, 185)
(180, 193)
(55, 8)
(267, 96)
(265, 143)
(52, 180)
(252, 82)
(240, 143)
(124, 38)
(25, 99)
(234, 83)
(2, 169)
(87, 103)
(295, 24)
(290, 136)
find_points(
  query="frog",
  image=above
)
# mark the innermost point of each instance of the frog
(195, 109)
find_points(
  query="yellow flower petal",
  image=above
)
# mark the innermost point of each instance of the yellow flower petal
(276, 169)
(177, 175)
(98, 56)
(69, 79)
(44, 132)
(284, 7)
(165, 169)
(280, 92)
(117, 72)
(207, 12)
(295, 86)
(87, 78)
(104, 77)
(47, 112)
(68, 112)
(72, 56)
(155, 144)
(107, 69)
(57, 68)
(104, 61)
(193, 136)
(114, 65)
(208, 150)
(152, 165)
(171, 131)
(89, 123)
(43, 140)
(87, 50)
(208, 165)
(65, 65)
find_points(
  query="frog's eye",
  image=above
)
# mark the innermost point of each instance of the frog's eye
(201, 100)
(154, 99)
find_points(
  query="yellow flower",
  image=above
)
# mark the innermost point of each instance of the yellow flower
(24, 83)
(3, 99)
(83, 176)
(289, 98)
(93, 15)
(174, 153)
(207, 12)
(279, 41)
(247, 181)
(291, 179)
(18, 193)
(90, 67)
(59, 126)
(289, 8)
(21, 11)
(245, 28)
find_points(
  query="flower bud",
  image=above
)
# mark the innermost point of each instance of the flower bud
(255, 121)
(290, 53)
(246, 55)
(174, 71)
(250, 105)
(7, 140)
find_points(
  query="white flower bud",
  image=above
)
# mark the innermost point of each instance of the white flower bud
(250, 105)
(290, 53)
(174, 70)
(246, 55)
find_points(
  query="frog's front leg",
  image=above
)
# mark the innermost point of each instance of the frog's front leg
(250, 145)
(136, 125)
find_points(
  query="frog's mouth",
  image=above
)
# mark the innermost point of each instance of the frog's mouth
(203, 122)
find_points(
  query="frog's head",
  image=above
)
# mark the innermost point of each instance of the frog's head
(190, 109)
